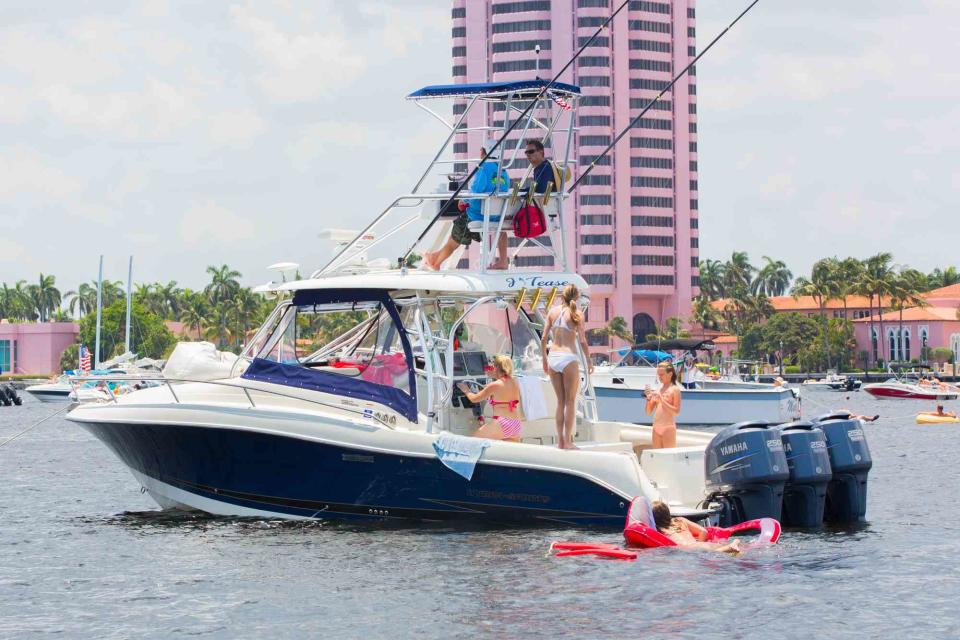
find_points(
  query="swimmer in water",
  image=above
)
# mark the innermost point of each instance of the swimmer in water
(688, 534)
(940, 413)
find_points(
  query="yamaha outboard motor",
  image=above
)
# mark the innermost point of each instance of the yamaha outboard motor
(851, 462)
(746, 470)
(805, 493)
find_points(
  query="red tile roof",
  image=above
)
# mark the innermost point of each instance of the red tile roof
(913, 314)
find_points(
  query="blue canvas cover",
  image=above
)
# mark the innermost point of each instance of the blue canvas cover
(482, 88)
(292, 375)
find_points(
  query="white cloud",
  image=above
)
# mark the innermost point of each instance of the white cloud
(327, 139)
(10, 251)
(207, 224)
(780, 185)
(25, 172)
(301, 66)
(235, 128)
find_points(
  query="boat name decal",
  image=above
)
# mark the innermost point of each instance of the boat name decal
(499, 495)
(737, 447)
(818, 444)
(353, 457)
(855, 435)
(775, 444)
(531, 282)
(386, 418)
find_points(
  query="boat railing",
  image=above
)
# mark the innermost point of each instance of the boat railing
(168, 382)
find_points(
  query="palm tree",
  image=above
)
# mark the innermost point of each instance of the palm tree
(738, 272)
(194, 312)
(616, 328)
(170, 295)
(711, 279)
(879, 276)
(773, 279)
(943, 278)
(44, 296)
(704, 313)
(821, 287)
(83, 300)
(223, 285)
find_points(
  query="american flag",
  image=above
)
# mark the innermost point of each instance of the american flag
(84, 359)
(560, 101)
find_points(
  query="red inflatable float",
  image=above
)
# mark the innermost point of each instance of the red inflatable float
(640, 530)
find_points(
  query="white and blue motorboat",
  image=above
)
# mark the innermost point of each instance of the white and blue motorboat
(621, 391)
(345, 404)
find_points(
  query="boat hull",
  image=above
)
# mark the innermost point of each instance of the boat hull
(49, 395)
(703, 407)
(906, 391)
(235, 472)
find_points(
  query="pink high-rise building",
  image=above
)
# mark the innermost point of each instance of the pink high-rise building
(632, 227)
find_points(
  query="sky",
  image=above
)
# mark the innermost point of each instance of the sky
(196, 134)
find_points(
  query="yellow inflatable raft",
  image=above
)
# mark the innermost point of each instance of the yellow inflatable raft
(926, 418)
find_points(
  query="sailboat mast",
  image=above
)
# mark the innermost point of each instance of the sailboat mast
(126, 347)
(96, 352)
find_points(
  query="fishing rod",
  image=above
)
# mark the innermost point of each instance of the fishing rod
(660, 95)
(518, 120)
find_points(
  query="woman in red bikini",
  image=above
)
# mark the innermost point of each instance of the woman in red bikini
(504, 397)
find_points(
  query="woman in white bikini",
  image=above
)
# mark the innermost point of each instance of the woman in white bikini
(504, 392)
(665, 405)
(565, 326)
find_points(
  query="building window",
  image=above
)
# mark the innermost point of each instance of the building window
(695, 262)
(599, 41)
(905, 344)
(459, 70)
(459, 109)
(596, 219)
(593, 4)
(463, 263)
(892, 343)
(691, 13)
(652, 7)
(647, 83)
(604, 239)
(601, 161)
(593, 121)
(652, 182)
(694, 204)
(520, 65)
(594, 141)
(695, 281)
(598, 278)
(459, 52)
(518, 27)
(694, 243)
(651, 279)
(594, 61)
(651, 261)
(592, 199)
(595, 101)
(659, 105)
(694, 185)
(651, 163)
(693, 165)
(654, 123)
(693, 147)
(651, 241)
(692, 89)
(459, 147)
(533, 261)
(650, 25)
(659, 202)
(8, 355)
(590, 21)
(649, 45)
(596, 258)
(594, 81)
(694, 223)
(459, 32)
(692, 51)
(597, 339)
(651, 221)
(691, 32)
(651, 143)
(651, 65)
(458, 12)
(519, 7)
(596, 179)
(692, 108)
(514, 242)
(520, 45)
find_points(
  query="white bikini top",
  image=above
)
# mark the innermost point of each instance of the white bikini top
(560, 322)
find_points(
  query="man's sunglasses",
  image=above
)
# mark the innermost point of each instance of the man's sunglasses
(530, 152)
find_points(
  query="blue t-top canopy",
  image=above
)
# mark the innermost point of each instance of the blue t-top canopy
(526, 88)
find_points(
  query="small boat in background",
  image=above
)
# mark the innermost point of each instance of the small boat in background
(910, 384)
(832, 382)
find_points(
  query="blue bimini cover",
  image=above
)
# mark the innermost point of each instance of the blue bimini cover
(528, 88)
(294, 375)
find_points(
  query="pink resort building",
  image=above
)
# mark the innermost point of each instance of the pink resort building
(635, 222)
(34, 348)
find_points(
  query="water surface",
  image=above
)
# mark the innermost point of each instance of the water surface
(84, 554)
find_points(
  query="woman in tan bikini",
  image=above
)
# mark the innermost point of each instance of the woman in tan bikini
(565, 326)
(686, 533)
(504, 397)
(665, 405)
